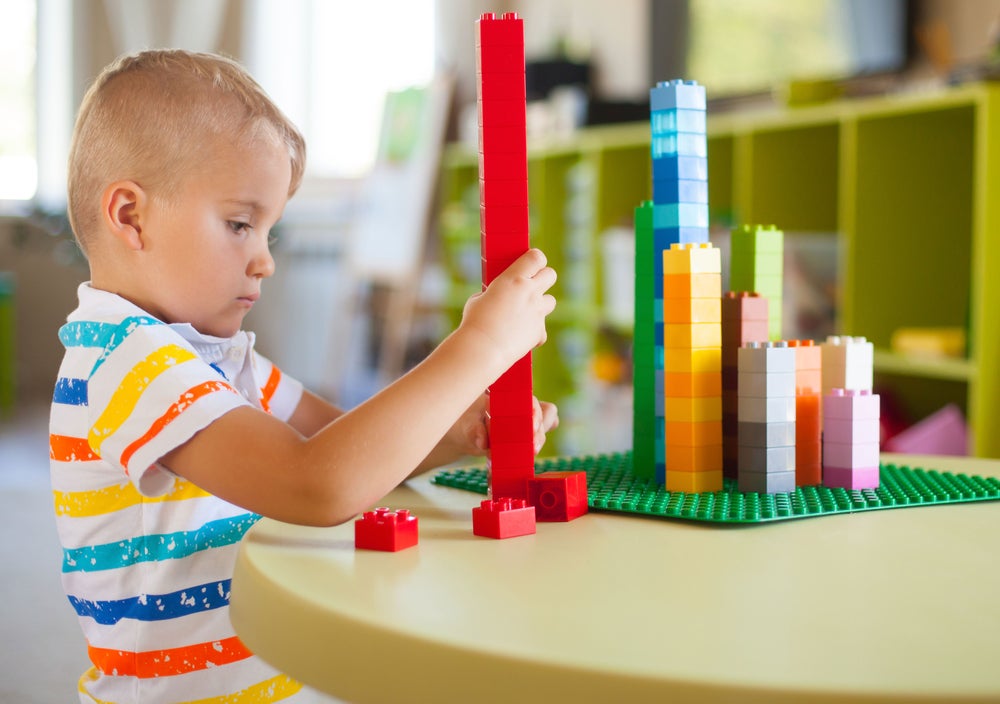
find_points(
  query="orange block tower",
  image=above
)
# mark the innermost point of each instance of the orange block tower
(692, 351)
(808, 412)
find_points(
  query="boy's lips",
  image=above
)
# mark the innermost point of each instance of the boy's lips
(250, 298)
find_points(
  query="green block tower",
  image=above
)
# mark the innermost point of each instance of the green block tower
(756, 264)
(645, 423)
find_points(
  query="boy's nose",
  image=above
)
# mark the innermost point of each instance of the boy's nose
(262, 263)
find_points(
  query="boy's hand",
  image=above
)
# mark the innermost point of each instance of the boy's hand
(511, 312)
(470, 434)
(544, 414)
(546, 417)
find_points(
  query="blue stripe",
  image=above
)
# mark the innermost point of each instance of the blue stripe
(154, 548)
(108, 336)
(71, 392)
(85, 334)
(156, 607)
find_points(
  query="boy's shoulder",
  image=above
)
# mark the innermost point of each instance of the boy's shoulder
(109, 337)
(103, 320)
(98, 304)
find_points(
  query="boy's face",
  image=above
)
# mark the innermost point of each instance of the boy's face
(209, 245)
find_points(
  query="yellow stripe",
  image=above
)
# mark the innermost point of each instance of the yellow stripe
(131, 388)
(80, 504)
(272, 690)
(86, 678)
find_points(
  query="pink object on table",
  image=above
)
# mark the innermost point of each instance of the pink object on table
(941, 433)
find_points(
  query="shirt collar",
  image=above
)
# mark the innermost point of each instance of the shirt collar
(214, 350)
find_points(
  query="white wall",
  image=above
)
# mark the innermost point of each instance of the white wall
(613, 34)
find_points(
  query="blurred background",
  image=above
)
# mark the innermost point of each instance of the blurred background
(377, 251)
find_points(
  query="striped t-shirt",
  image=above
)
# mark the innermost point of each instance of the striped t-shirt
(148, 556)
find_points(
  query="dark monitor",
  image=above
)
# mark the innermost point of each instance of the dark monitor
(738, 47)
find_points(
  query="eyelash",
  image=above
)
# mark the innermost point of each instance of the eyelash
(239, 227)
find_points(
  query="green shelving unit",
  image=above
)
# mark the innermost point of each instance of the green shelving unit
(909, 182)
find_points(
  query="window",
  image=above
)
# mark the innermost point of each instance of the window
(18, 171)
(329, 65)
(35, 56)
(738, 47)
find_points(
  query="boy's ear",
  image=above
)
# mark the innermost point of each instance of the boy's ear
(123, 208)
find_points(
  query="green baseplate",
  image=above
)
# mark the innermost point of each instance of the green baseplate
(612, 487)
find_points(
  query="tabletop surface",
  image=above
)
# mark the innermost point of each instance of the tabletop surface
(868, 606)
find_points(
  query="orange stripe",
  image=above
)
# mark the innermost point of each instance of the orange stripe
(267, 391)
(179, 406)
(67, 449)
(165, 663)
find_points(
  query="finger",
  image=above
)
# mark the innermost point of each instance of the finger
(538, 439)
(527, 265)
(545, 277)
(482, 441)
(550, 416)
(548, 303)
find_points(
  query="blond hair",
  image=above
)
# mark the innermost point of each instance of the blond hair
(149, 117)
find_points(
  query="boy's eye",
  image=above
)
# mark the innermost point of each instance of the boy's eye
(238, 227)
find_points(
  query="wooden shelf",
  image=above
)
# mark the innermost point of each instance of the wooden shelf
(909, 183)
(887, 362)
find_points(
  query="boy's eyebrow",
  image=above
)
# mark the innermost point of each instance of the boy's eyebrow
(255, 207)
(252, 204)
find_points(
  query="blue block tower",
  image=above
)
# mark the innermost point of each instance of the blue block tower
(679, 151)
(680, 163)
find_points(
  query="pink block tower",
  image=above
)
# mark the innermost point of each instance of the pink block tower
(851, 439)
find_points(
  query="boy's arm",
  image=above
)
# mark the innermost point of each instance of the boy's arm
(256, 461)
(312, 414)
(469, 436)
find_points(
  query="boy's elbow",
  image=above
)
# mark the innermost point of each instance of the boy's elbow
(325, 491)
(321, 508)
(324, 504)
(329, 516)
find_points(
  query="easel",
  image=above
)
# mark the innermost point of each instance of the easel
(396, 207)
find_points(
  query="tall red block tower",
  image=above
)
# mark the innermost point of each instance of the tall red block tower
(503, 209)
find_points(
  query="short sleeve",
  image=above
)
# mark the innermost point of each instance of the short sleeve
(279, 393)
(148, 394)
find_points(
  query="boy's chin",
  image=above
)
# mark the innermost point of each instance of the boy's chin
(219, 329)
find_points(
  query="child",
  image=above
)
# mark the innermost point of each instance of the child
(170, 436)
